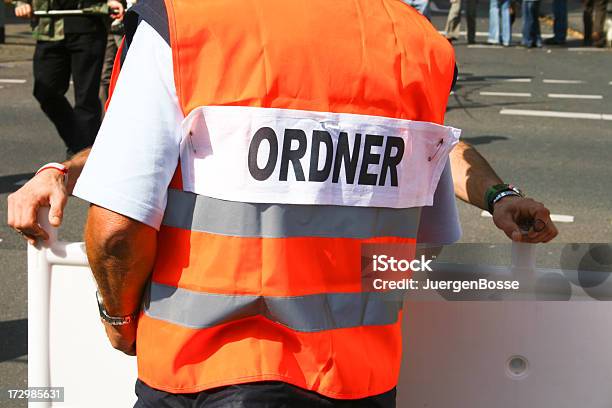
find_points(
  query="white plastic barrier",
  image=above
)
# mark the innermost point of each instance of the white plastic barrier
(67, 346)
(514, 354)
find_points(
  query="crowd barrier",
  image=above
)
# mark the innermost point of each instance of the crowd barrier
(457, 354)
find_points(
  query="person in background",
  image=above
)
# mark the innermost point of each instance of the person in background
(422, 6)
(594, 17)
(453, 21)
(2, 18)
(70, 46)
(560, 25)
(531, 24)
(497, 7)
(113, 41)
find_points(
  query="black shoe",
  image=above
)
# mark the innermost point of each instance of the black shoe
(600, 43)
(553, 41)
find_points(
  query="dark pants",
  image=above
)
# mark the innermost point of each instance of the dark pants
(54, 61)
(560, 23)
(453, 21)
(112, 45)
(531, 24)
(267, 394)
(594, 18)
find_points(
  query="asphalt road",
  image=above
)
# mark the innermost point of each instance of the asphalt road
(562, 161)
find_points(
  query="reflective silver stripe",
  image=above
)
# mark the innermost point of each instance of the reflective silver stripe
(199, 213)
(309, 313)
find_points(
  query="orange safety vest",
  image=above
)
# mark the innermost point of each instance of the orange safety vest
(311, 128)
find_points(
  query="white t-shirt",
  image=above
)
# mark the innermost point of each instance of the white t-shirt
(137, 148)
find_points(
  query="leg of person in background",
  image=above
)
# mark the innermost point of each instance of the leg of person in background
(536, 33)
(493, 22)
(560, 24)
(599, 19)
(87, 57)
(587, 18)
(471, 20)
(453, 21)
(420, 5)
(506, 34)
(107, 68)
(51, 66)
(2, 31)
(527, 24)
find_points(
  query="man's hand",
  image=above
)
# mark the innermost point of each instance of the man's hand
(44, 190)
(123, 338)
(118, 11)
(23, 10)
(524, 220)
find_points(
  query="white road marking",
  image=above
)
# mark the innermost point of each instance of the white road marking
(588, 49)
(21, 182)
(12, 81)
(486, 46)
(556, 114)
(461, 79)
(517, 94)
(554, 217)
(486, 34)
(574, 96)
(563, 81)
(517, 80)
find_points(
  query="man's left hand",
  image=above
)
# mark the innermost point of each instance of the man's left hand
(123, 338)
(524, 220)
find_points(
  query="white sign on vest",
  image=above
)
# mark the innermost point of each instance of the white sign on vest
(515, 354)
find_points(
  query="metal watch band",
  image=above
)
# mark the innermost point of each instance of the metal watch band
(113, 320)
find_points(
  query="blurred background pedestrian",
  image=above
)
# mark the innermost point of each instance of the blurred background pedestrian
(69, 46)
(422, 6)
(499, 17)
(2, 22)
(594, 17)
(531, 24)
(113, 42)
(559, 8)
(453, 21)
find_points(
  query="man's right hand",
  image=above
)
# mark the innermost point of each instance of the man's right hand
(46, 189)
(23, 10)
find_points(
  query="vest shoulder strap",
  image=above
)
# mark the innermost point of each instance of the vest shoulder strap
(154, 13)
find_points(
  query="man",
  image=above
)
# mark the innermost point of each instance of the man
(594, 17)
(560, 23)
(69, 47)
(453, 21)
(254, 273)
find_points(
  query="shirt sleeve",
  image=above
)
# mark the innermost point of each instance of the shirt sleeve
(440, 222)
(136, 151)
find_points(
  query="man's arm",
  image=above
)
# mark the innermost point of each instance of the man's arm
(46, 189)
(121, 255)
(472, 177)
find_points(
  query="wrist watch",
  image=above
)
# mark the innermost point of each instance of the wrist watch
(499, 191)
(114, 320)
